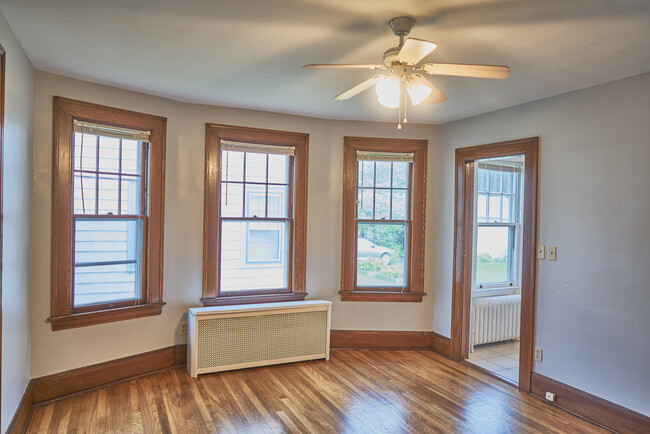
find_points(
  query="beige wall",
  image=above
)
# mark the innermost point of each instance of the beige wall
(593, 303)
(16, 190)
(62, 350)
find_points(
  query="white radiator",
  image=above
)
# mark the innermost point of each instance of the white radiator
(233, 337)
(495, 319)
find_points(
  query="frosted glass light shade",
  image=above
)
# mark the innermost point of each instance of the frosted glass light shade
(418, 89)
(388, 92)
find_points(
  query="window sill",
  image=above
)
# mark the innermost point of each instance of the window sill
(407, 297)
(250, 299)
(104, 316)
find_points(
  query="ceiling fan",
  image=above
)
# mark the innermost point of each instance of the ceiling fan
(403, 74)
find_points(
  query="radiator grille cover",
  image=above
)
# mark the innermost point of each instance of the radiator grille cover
(236, 340)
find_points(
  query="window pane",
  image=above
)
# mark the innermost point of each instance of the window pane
(400, 174)
(493, 252)
(130, 195)
(255, 200)
(383, 174)
(382, 204)
(506, 213)
(481, 211)
(108, 192)
(232, 200)
(277, 201)
(399, 205)
(366, 203)
(232, 164)
(381, 254)
(109, 154)
(495, 208)
(507, 182)
(87, 206)
(495, 181)
(278, 168)
(107, 260)
(254, 255)
(482, 180)
(366, 173)
(255, 167)
(87, 155)
(131, 157)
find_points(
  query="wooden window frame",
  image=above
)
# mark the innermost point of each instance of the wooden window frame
(214, 135)
(415, 278)
(64, 315)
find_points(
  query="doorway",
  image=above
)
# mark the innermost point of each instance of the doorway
(494, 265)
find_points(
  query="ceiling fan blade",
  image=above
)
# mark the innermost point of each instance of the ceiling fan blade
(436, 96)
(359, 87)
(344, 66)
(415, 50)
(461, 70)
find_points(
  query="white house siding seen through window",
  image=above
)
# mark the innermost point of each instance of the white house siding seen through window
(498, 217)
(109, 215)
(383, 219)
(255, 217)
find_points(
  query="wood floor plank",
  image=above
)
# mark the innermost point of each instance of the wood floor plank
(354, 392)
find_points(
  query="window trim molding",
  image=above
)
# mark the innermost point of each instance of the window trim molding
(65, 111)
(214, 134)
(415, 280)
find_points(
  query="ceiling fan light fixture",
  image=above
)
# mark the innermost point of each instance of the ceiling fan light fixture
(388, 92)
(418, 89)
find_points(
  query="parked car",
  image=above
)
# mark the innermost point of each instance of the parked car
(368, 249)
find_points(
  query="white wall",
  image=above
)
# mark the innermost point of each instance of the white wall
(58, 351)
(593, 304)
(16, 189)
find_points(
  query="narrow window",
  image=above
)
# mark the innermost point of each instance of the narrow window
(255, 209)
(383, 219)
(107, 214)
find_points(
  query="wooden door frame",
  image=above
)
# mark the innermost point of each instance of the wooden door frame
(464, 242)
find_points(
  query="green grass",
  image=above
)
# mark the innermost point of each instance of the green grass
(490, 272)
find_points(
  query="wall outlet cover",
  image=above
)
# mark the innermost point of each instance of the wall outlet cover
(182, 328)
(538, 354)
(550, 396)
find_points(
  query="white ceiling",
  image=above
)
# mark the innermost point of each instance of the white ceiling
(249, 53)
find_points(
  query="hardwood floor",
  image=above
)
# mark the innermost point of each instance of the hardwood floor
(355, 391)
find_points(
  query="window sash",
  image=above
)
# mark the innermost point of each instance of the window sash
(513, 272)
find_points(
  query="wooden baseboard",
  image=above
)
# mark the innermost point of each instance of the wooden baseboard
(24, 411)
(597, 410)
(389, 340)
(441, 344)
(79, 380)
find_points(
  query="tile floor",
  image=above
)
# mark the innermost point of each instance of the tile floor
(501, 358)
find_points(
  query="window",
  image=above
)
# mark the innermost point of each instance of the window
(107, 214)
(383, 219)
(255, 209)
(498, 224)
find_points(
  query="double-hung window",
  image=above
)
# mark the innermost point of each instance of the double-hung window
(107, 214)
(254, 215)
(498, 224)
(383, 219)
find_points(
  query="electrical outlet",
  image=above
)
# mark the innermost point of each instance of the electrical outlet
(182, 328)
(551, 253)
(538, 354)
(550, 396)
(540, 251)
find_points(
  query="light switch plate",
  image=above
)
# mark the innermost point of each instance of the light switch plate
(552, 250)
(540, 251)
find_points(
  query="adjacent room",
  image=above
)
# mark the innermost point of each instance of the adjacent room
(325, 216)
